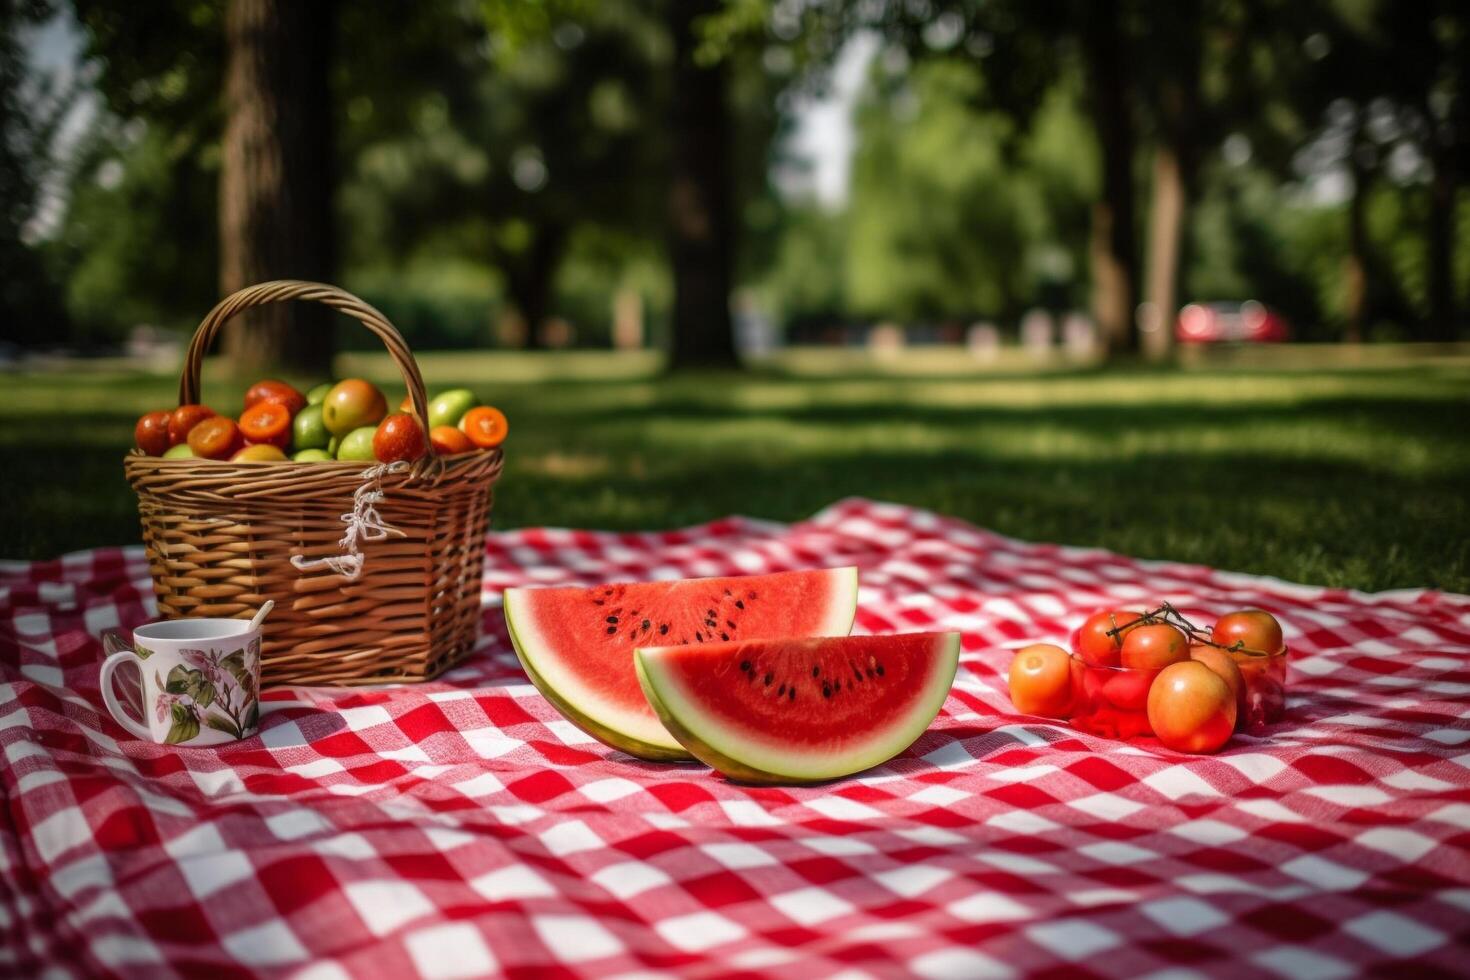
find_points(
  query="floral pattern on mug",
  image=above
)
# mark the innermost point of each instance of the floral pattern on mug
(210, 688)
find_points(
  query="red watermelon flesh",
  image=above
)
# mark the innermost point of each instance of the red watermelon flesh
(800, 710)
(577, 644)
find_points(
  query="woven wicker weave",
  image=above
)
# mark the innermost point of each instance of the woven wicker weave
(220, 537)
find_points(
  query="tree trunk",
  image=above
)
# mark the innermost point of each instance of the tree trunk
(275, 196)
(700, 210)
(1441, 325)
(530, 276)
(1355, 272)
(1112, 246)
(1166, 225)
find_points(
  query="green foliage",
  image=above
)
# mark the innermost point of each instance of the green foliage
(944, 222)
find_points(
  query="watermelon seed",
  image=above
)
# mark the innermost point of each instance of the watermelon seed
(769, 678)
(745, 666)
(597, 602)
(612, 619)
(781, 690)
(645, 624)
(710, 613)
(880, 670)
(725, 637)
(826, 690)
(663, 629)
(611, 630)
(739, 604)
(857, 673)
(791, 694)
(698, 637)
(750, 594)
(816, 671)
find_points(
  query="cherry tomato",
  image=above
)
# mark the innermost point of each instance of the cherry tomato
(1223, 664)
(1190, 708)
(353, 404)
(1128, 689)
(184, 418)
(1154, 647)
(486, 426)
(1041, 681)
(216, 438)
(275, 391)
(151, 433)
(399, 437)
(1253, 629)
(449, 441)
(1092, 642)
(267, 422)
(260, 452)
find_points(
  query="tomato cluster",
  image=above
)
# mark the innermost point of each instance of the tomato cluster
(348, 420)
(1156, 673)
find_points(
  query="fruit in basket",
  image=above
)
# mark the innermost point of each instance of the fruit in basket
(577, 644)
(216, 438)
(183, 419)
(448, 407)
(1190, 708)
(1252, 629)
(1040, 680)
(352, 404)
(309, 429)
(275, 391)
(358, 444)
(1153, 646)
(398, 438)
(181, 451)
(312, 456)
(802, 710)
(449, 441)
(486, 426)
(1093, 642)
(268, 423)
(1223, 664)
(260, 452)
(151, 433)
(318, 394)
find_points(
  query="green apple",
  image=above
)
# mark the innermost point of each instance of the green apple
(309, 429)
(449, 407)
(358, 444)
(181, 451)
(312, 456)
(334, 445)
(318, 394)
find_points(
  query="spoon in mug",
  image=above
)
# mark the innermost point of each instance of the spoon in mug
(265, 609)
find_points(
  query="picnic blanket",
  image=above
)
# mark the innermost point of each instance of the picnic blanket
(462, 828)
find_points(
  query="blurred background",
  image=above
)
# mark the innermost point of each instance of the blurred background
(1164, 277)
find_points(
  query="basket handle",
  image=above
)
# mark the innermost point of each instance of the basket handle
(338, 299)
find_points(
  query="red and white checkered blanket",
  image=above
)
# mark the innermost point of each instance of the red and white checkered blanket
(461, 828)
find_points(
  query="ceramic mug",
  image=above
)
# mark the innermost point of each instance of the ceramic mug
(200, 680)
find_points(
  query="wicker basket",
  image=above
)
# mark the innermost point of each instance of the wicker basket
(221, 537)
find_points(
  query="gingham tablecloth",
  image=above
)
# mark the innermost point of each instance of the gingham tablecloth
(462, 828)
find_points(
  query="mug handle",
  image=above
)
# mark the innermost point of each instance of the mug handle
(114, 706)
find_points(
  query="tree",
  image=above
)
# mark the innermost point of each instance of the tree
(30, 304)
(700, 210)
(276, 181)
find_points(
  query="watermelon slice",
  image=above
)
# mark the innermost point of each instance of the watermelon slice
(796, 711)
(576, 645)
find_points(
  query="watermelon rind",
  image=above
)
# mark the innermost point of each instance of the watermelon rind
(728, 753)
(637, 737)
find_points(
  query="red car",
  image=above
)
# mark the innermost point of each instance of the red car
(1215, 323)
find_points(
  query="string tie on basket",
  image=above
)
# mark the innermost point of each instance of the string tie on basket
(363, 524)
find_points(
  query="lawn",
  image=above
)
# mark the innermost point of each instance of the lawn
(1348, 471)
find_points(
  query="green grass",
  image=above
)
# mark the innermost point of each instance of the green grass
(1318, 469)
